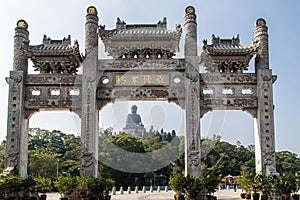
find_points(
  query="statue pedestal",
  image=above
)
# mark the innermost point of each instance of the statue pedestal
(137, 131)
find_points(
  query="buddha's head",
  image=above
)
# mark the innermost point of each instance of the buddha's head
(133, 109)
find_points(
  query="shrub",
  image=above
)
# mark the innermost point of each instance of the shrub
(178, 183)
(43, 184)
(289, 183)
(86, 186)
(210, 183)
(193, 187)
(11, 186)
(102, 187)
(65, 185)
(247, 182)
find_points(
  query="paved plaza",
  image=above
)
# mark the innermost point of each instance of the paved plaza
(223, 194)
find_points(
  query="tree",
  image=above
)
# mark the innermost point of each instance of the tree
(287, 162)
(70, 159)
(46, 147)
(128, 143)
(289, 184)
(42, 163)
(115, 155)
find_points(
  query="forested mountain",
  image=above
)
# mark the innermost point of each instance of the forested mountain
(52, 152)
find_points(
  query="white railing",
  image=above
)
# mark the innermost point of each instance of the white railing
(145, 189)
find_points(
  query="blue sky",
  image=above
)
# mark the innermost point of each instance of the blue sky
(224, 18)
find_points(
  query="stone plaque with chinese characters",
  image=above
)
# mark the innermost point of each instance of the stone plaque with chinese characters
(141, 79)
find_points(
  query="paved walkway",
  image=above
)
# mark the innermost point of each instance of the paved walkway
(221, 195)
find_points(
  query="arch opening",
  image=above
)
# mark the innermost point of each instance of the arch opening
(65, 121)
(231, 125)
(159, 114)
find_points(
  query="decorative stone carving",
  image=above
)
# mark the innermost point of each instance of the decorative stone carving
(204, 110)
(30, 112)
(60, 79)
(142, 93)
(194, 158)
(87, 158)
(193, 75)
(51, 103)
(252, 112)
(224, 78)
(179, 101)
(231, 103)
(15, 78)
(12, 159)
(103, 102)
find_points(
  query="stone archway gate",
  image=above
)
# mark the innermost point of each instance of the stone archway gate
(142, 68)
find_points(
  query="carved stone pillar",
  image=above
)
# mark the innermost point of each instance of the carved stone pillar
(192, 98)
(90, 114)
(17, 125)
(264, 134)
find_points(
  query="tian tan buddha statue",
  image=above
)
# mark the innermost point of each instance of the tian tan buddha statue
(134, 125)
(133, 119)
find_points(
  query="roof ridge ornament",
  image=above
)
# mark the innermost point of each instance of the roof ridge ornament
(162, 23)
(66, 41)
(120, 24)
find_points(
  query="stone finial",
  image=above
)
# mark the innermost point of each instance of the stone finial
(92, 15)
(260, 22)
(22, 24)
(92, 10)
(190, 10)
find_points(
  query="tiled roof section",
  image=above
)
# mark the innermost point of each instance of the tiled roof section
(135, 31)
(53, 48)
(227, 47)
